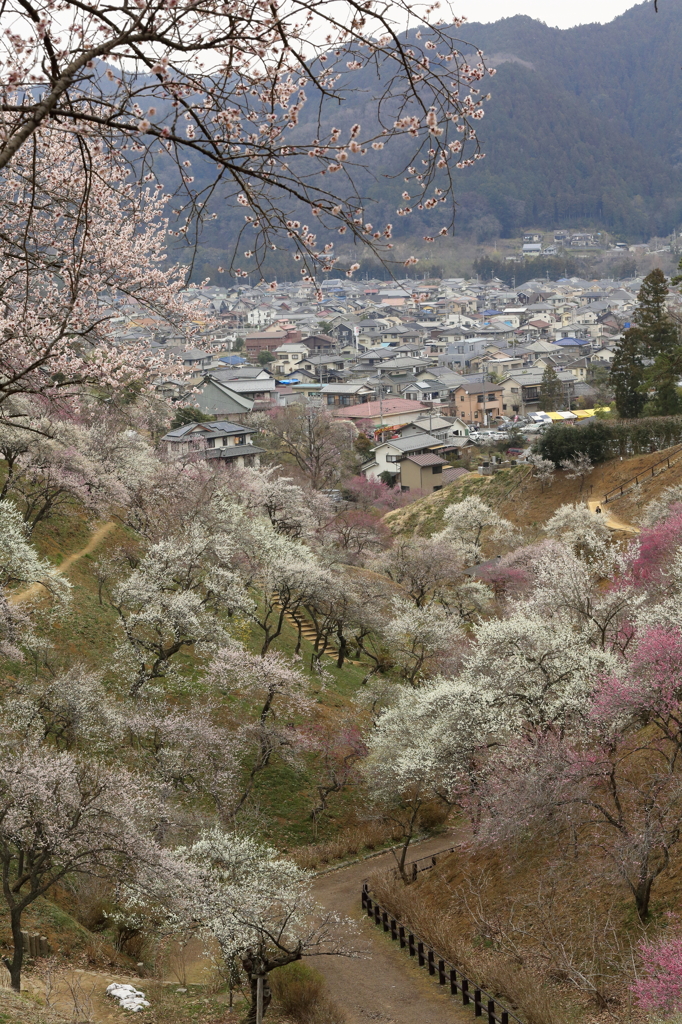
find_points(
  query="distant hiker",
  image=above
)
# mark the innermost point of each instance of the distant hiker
(598, 509)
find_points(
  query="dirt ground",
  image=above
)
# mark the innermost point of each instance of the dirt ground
(385, 985)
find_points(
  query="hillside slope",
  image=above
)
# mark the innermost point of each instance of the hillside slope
(522, 500)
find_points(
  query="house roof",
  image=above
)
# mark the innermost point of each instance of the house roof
(196, 353)
(432, 422)
(478, 389)
(233, 451)
(427, 459)
(390, 406)
(453, 473)
(220, 428)
(414, 443)
(565, 342)
(344, 389)
(247, 387)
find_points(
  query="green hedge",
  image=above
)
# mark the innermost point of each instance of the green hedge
(607, 439)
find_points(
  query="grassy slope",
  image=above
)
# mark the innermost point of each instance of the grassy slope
(87, 633)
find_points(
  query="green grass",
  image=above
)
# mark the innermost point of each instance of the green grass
(87, 633)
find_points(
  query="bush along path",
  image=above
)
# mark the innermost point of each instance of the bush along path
(386, 985)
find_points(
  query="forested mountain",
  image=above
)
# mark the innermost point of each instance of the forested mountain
(582, 129)
(583, 125)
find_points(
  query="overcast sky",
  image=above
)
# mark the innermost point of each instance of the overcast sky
(561, 13)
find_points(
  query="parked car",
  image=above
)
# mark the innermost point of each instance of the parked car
(534, 428)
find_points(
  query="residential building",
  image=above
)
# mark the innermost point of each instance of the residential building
(521, 390)
(229, 442)
(422, 472)
(479, 403)
(391, 412)
(347, 394)
(387, 455)
(288, 357)
(268, 340)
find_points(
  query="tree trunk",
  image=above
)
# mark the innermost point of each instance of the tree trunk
(16, 963)
(343, 648)
(642, 894)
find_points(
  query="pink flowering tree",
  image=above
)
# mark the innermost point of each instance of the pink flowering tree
(648, 690)
(231, 89)
(656, 547)
(78, 236)
(659, 986)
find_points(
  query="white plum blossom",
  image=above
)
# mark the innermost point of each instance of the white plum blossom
(257, 905)
(417, 637)
(170, 602)
(580, 529)
(470, 520)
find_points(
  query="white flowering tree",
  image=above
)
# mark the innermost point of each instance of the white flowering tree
(424, 567)
(176, 600)
(293, 511)
(280, 572)
(470, 521)
(62, 815)
(277, 690)
(419, 637)
(596, 595)
(582, 530)
(69, 711)
(193, 760)
(578, 467)
(543, 469)
(258, 907)
(50, 464)
(431, 745)
(542, 669)
(20, 564)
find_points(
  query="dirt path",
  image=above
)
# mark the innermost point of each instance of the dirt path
(387, 986)
(610, 521)
(37, 588)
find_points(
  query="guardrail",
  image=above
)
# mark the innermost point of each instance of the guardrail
(483, 1002)
(412, 869)
(616, 492)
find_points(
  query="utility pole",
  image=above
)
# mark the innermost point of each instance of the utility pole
(381, 404)
(259, 999)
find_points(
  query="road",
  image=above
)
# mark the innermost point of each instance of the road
(386, 986)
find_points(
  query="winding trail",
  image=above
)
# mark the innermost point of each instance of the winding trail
(612, 522)
(386, 986)
(36, 589)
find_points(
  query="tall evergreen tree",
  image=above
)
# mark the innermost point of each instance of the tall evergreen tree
(657, 338)
(551, 390)
(627, 377)
(655, 331)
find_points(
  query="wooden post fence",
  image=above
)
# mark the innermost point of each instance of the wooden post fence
(484, 1002)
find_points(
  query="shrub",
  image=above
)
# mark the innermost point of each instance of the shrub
(560, 443)
(602, 440)
(301, 992)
